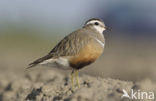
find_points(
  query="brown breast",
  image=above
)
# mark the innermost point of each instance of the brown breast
(86, 56)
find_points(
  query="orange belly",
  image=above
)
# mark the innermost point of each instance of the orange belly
(86, 56)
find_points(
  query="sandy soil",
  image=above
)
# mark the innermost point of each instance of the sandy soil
(50, 85)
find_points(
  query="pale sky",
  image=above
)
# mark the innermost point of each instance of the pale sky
(66, 13)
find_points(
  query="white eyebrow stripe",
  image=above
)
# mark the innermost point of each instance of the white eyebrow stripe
(101, 43)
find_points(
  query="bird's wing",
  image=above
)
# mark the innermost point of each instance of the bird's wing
(39, 61)
(69, 46)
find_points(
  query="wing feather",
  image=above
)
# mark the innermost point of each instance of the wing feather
(69, 46)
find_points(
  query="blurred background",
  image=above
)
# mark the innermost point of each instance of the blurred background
(29, 29)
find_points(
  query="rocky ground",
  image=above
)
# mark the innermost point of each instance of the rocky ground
(49, 85)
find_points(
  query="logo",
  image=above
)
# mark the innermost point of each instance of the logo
(138, 94)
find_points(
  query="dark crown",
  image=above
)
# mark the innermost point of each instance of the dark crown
(93, 19)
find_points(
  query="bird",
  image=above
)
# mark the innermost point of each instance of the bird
(77, 50)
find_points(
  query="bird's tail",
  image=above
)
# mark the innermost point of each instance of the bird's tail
(31, 65)
(38, 61)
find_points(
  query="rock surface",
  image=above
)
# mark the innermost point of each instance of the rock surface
(49, 85)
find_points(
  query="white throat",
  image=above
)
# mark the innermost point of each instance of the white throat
(99, 29)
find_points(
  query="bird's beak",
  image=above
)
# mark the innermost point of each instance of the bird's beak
(108, 28)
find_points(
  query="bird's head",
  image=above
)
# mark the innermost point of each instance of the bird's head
(97, 24)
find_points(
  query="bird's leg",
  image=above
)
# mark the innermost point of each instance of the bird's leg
(77, 78)
(72, 79)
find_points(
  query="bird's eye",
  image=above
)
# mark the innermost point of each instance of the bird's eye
(96, 23)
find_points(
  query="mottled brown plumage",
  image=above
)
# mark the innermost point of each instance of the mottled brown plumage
(72, 44)
(80, 48)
